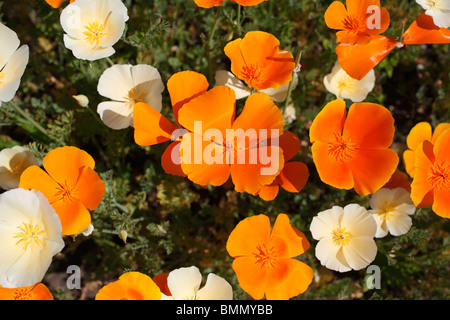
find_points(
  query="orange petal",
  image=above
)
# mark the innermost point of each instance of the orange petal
(255, 167)
(294, 176)
(213, 110)
(372, 169)
(130, 286)
(260, 116)
(421, 185)
(442, 148)
(358, 8)
(184, 86)
(64, 164)
(36, 178)
(369, 126)
(399, 180)
(331, 171)
(252, 278)
(170, 160)
(328, 122)
(290, 144)
(161, 281)
(208, 3)
(35, 292)
(424, 31)
(90, 188)
(357, 60)
(203, 162)
(74, 216)
(287, 239)
(335, 15)
(278, 71)
(440, 128)
(384, 21)
(257, 46)
(150, 126)
(419, 133)
(54, 3)
(441, 205)
(248, 3)
(270, 191)
(248, 235)
(288, 279)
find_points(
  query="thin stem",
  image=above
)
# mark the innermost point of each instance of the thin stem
(238, 20)
(288, 96)
(110, 61)
(216, 23)
(28, 117)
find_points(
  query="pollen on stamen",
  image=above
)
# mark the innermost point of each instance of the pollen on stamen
(94, 32)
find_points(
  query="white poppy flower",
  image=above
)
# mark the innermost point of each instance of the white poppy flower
(391, 209)
(439, 10)
(184, 284)
(226, 78)
(13, 161)
(127, 85)
(345, 237)
(339, 83)
(30, 235)
(13, 61)
(92, 27)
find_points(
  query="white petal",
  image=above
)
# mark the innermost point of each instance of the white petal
(83, 51)
(103, 7)
(10, 43)
(12, 73)
(226, 78)
(18, 158)
(114, 29)
(116, 115)
(116, 82)
(330, 257)
(360, 252)
(358, 221)
(148, 83)
(399, 223)
(440, 18)
(76, 16)
(216, 288)
(183, 283)
(325, 223)
(380, 220)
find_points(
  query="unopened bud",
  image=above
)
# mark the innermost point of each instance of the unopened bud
(123, 234)
(82, 100)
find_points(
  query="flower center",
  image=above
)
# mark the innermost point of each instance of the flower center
(253, 72)
(65, 192)
(2, 75)
(29, 236)
(354, 24)
(341, 149)
(345, 83)
(433, 4)
(22, 294)
(440, 177)
(266, 256)
(341, 237)
(16, 166)
(94, 32)
(133, 97)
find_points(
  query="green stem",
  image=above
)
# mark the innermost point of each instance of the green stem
(238, 20)
(216, 23)
(288, 96)
(28, 117)
(110, 61)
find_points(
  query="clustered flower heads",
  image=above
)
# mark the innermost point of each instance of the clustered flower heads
(211, 145)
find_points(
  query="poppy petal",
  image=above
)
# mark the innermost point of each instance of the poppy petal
(73, 215)
(424, 31)
(335, 15)
(328, 122)
(294, 176)
(90, 188)
(35, 178)
(150, 126)
(287, 239)
(252, 278)
(421, 186)
(270, 191)
(290, 144)
(184, 86)
(170, 160)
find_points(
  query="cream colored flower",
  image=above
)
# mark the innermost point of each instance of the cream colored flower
(127, 85)
(439, 10)
(345, 237)
(30, 235)
(13, 61)
(13, 161)
(226, 78)
(391, 209)
(184, 284)
(339, 83)
(92, 27)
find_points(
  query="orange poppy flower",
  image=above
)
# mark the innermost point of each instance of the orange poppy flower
(56, 3)
(419, 133)
(208, 3)
(257, 60)
(399, 180)
(358, 59)
(35, 292)
(431, 183)
(151, 127)
(352, 151)
(70, 184)
(357, 22)
(248, 3)
(218, 146)
(264, 259)
(294, 175)
(130, 286)
(161, 281)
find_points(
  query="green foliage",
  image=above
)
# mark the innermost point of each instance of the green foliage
(172, 223)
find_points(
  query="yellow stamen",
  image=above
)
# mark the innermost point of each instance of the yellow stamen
(341, 237)
(2, 75)
(94, 32)
(440, 177)
(266, 256)
(341, 149)
(133, 98)
(29, 236)
(22, 294)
